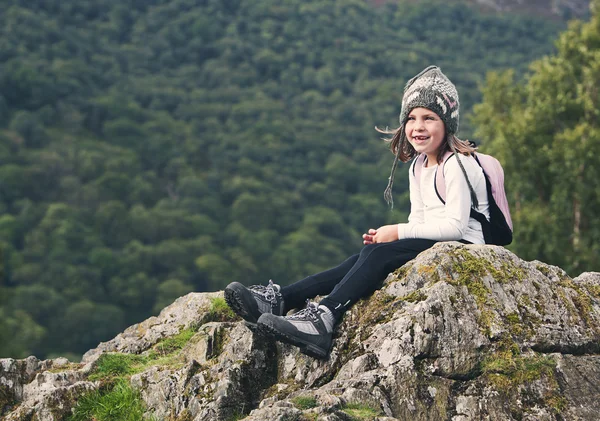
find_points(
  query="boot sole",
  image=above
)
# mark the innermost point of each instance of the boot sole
(235, 301)
(312, 350)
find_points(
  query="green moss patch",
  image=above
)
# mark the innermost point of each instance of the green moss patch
(219, 311)
(414, 297)
(116, 365)
(594, 290)
(507, 368)
(514, 322)
(373, 311)
(469, 271)
(468, 263)
(581, 300)
(509, 273)
(403, 270)
(166, 353)
(509, 371)
(170, 345)
(361, 411)
(305, 402)
(544, 270)
(377, 309)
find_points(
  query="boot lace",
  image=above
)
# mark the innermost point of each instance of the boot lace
(269, 292)
(311, 312)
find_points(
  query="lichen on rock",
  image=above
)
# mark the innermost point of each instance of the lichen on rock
(463, 332)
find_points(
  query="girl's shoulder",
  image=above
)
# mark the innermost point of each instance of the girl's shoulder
(468, 161)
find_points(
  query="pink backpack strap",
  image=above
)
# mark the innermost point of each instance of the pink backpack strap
(440, 183)
(418, 166)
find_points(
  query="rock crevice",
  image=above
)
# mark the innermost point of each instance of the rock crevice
(460, 333)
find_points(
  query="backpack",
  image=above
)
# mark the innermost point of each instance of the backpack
(499, 229)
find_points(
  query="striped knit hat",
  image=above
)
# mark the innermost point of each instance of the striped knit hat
(429, 89)
(433, 90)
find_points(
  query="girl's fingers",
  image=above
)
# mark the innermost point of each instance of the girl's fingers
(372, 231)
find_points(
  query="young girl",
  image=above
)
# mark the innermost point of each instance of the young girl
(428, 123)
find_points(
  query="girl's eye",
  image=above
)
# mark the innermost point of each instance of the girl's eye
(411, 118)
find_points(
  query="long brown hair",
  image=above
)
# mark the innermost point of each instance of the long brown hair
(404, 151)
(401, 147)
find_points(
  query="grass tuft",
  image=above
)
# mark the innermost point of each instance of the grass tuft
(173, 344)
(219, 311)
(120, 402)
(305, 402)
(361, 411)
(116, 365)
(166, 353)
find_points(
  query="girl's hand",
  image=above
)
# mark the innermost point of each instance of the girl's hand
(385, 234)
(368, 238)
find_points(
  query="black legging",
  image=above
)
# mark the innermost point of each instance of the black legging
(357, 277)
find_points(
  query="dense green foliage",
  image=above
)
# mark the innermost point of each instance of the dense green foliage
(151, 148)
(547, 132)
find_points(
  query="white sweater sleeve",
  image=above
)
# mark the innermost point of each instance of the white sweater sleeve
(457, 209)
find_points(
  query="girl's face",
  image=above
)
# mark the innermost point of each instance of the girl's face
(425, 131)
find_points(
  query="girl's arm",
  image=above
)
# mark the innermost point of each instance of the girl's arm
(457, 209)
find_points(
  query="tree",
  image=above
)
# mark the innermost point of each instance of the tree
(546, 131)
(152, 147)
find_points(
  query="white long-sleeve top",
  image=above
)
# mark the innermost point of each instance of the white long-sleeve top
(431, 219)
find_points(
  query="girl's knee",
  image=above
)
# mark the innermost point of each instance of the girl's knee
(371, 250)
(368, 248)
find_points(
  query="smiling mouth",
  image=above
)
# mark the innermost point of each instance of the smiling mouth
(420, 138)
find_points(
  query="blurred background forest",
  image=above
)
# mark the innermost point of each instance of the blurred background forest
(157, 147)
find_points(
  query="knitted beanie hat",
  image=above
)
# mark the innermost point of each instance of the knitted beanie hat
(429, 89)
(433, 90)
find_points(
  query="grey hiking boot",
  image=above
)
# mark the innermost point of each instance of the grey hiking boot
(310, 329)
(249, 303)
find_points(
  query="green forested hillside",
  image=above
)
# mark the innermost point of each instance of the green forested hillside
(152, 148)
(546, 130)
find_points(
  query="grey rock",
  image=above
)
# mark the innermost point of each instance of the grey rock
(183, 313)
(461, 333)
(39, 393)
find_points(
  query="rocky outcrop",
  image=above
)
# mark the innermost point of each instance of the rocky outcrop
(460, 333)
